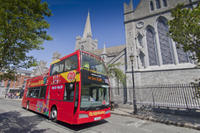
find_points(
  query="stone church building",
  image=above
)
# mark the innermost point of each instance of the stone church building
(157, 60)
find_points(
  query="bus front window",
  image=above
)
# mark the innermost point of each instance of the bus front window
(92, 63)
(94, 97)
(94, 83)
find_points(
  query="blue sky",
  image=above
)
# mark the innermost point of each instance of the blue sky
(68, 21)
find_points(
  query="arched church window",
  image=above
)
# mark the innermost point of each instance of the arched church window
(158, 4)
(141, 57)
(165, 3)
(165, 42)
(140, 40)
(183, 57)
(151, 5)
(151, 45)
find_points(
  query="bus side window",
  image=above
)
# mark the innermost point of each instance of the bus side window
(57, 68)
(28, 92)
(42, 92)
(37, 91)
(71, 63)
(69, 92)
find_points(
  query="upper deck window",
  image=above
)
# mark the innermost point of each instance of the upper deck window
(71, 63)
(92, 63)
(57, 68)
(68, 64)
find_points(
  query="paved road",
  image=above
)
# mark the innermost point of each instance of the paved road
(14, 119)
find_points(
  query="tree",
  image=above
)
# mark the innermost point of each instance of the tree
(22, 29)
(184, 29)
(41, 68)
(113, 71)
(56, 56)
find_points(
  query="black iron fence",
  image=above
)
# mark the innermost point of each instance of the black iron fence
(181, 96)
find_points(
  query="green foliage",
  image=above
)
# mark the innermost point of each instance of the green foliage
(185, 29)
(113, 71)
(22, 29)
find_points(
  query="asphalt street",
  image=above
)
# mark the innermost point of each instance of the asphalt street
(14, 119)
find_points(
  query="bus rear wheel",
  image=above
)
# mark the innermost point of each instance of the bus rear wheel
(53, 115)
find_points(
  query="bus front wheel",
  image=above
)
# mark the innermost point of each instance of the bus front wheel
(53, 114)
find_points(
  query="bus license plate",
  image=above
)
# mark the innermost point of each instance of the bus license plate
(97, 118)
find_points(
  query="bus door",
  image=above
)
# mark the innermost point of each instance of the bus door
(32, 98)
(68, 101)
(41, 104)
(35, 96)
(56, 97)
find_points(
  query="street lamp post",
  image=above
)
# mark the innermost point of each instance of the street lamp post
(134, 98)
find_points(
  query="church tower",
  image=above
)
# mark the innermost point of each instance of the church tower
(86, 42)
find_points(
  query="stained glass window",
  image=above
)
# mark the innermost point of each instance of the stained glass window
(140, 41)
(141, 55)
(182, 56)
(151, 44)
(165, 3)
(165, 42)
(158, 4)
(151, 6)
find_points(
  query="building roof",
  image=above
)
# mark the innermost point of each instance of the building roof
(111, 51)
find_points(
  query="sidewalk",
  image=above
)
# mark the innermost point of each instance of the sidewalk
(177, 120)
(3, 97)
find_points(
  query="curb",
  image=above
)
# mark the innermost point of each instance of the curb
(11, 99)
(167, 122)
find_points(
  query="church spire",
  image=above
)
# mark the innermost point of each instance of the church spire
(87, 30)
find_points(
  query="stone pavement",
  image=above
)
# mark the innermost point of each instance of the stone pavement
(170, 119)
(2, 97)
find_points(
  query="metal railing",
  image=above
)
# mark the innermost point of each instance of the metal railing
(181, 96)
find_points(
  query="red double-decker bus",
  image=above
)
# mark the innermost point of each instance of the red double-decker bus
(75, 91)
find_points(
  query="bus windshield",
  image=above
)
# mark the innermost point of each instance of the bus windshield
(92, 63)
(94, 97)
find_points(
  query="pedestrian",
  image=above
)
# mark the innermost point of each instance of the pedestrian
(9, 95)
(17, 95)
(21, 94)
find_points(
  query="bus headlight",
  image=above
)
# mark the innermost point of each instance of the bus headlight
(83, 116)
(107, 112)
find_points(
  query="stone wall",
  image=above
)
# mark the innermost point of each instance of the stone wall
(158, 77)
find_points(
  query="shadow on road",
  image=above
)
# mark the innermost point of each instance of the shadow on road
(74, 127)
(13, 122)
(82, 126)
